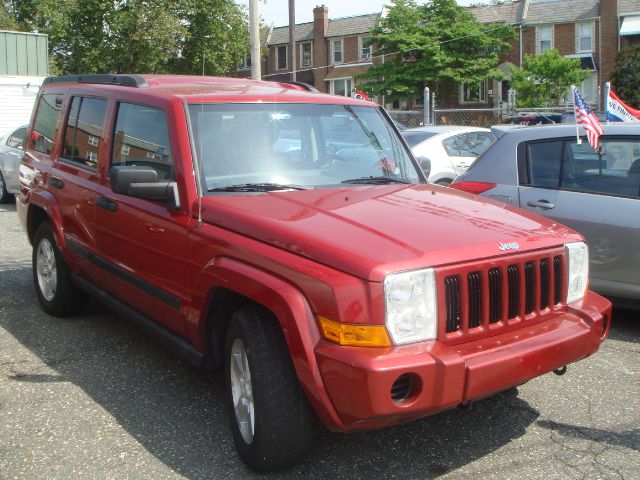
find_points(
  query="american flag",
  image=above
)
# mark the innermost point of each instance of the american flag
(588, 119)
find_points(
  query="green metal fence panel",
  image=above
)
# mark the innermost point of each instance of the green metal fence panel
(23, 54)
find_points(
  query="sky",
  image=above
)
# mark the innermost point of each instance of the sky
(277, 11)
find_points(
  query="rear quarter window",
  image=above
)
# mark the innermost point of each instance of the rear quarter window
(44, 126)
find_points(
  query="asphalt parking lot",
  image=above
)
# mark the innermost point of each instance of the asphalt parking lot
(92, 397)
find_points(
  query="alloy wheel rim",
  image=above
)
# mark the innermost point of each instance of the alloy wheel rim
(46, 269)
(242, 391)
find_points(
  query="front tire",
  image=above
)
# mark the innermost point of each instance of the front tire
(57, 293)
(270, 417)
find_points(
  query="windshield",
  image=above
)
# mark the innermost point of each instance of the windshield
(266, 147)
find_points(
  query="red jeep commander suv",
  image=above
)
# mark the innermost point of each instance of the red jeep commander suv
(291, 238)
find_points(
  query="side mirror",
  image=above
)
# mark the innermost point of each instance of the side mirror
(425, 165)
(142, 182)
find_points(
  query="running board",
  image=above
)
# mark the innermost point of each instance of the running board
(172, 341)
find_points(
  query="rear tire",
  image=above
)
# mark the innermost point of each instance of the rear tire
(5, 196)
(57, 293)
(271, 420)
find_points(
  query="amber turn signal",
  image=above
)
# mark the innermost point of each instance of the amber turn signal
(354, 335)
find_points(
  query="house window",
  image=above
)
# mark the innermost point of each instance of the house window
(341, 86)
(365, 48)
(473, 92)
(305, 54)
(92, 159)
(544, 38)
(336, 51)
(125, 149)
(93, 140)
(246, 61)
(281, 57)
(584, 37)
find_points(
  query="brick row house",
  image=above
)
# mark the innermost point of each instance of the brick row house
(331, 53)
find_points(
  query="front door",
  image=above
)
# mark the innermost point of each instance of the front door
(142, 243)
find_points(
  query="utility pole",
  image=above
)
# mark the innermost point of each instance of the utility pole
(292, 38)
(254, 36)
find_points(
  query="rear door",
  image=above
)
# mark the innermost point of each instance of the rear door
(597, 195)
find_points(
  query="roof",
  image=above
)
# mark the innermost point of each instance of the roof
(561, 11)
(563, 130)
(341, 27)
(508, 12)
(338, 27)
(628, 6)
(195, 88)
(447, 129)
(303, 32)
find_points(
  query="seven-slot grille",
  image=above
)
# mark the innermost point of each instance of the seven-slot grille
(484, 296)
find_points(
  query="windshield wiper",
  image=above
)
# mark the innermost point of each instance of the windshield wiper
(375, 180)
(258, 187)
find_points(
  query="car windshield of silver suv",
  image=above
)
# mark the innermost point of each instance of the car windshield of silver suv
(268, 147)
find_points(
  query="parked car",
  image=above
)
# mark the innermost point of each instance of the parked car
(450, 149)
(329, 280)
(544, 118)
(11, 150)
(544, 170)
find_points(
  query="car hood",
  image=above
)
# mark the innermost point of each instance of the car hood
(369, 231)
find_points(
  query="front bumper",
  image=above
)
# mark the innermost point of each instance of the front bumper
(359, 380)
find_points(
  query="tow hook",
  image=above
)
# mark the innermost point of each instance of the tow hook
(560, 371)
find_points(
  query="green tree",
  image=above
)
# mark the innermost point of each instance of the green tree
(7, 17)
(214, 43)
(625, 79)
(143, 36)
(438, 44)
(545, 79)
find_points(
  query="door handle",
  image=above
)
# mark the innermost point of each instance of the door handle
(546, 204)
(107, 204)
(55, 182)
(153, 228)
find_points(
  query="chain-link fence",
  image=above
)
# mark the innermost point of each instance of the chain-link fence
(476, 117)
(407, 118)
(481, 117)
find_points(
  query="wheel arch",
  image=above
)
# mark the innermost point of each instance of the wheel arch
(227, 284)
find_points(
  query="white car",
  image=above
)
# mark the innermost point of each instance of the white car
(450, 149)
(11, 149)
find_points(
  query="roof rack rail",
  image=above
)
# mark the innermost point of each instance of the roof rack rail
(306, 86)
(135, 81)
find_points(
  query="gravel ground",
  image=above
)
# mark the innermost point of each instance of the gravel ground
(92, 397)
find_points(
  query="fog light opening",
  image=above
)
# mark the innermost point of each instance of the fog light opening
(405, 387)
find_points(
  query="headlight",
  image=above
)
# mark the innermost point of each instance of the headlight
(411, 305)
(577, 271)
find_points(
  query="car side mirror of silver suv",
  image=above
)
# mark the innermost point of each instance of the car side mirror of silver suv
(142, 182)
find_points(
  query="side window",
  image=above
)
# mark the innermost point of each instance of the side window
(141, 138)
(616, 171)
(16, 140)
(44, 126)
(544, 160)
(83, 133)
